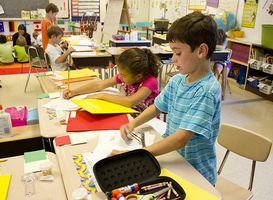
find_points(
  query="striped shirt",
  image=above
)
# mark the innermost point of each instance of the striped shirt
(194, 107)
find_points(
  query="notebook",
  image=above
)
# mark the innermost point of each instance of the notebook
(98, 106)
(86, 121)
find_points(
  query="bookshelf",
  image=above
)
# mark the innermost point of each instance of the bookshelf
(250, 56)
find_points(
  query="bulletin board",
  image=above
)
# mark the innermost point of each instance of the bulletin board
(12, 8)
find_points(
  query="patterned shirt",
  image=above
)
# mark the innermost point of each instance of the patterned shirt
(151, 83)
(194, 107)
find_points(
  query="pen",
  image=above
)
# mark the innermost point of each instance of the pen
(3, 160)
(68, 69)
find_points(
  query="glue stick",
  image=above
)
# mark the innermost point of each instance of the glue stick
(5, 124)
(120, 197)
(126, 189)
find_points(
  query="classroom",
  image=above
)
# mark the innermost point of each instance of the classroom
(60, 128)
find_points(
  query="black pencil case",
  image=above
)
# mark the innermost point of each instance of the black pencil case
(137, 166)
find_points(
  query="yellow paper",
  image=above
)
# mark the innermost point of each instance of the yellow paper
(73, 42)
(4, 185)
(98, 106)
(78, 73)
(192, 191)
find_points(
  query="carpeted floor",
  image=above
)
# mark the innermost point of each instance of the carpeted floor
(16, 68)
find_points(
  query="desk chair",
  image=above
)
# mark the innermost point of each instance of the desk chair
(142, 28)
(244, 143)
(36, 53)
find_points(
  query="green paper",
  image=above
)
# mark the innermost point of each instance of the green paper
(35, 156)
(42, 96)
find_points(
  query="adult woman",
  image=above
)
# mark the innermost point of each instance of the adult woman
(21, 31)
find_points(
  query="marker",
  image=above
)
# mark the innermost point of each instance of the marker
(160, 192)
(144, 187)
(68, 69)
(128, 136)
(3, 160)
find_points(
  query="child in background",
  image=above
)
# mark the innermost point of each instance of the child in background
(56, 54)
(6, 57)
(20, 51)
(219, 66)
(192, 98)
(50, 18)
(138, 70)
(37, 39)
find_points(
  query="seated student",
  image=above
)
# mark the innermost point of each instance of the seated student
(138, 70)
(37, 39)
(219, 66)
(191, 98)
(19, 50)
(56, 53)
(22, 31)
(6, 57)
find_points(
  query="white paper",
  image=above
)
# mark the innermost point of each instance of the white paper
(83, 54)
(158, 125)
(54, 95)
(77, 138)
(61, 104)
(81, 48)
(33, 166)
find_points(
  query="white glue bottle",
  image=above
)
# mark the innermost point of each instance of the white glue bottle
(5, 124)
(127, 37)
(134, 35)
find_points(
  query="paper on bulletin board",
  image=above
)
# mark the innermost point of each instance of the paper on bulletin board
(250, 13)
(197, 5)
(228, 5)
(1, 10)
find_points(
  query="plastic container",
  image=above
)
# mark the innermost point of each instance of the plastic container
(127, 37)
(128, 169)
(5, 124)
(267, 32)
(46, 168)
(80, 194)
(134, 35)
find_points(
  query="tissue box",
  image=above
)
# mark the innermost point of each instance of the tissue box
(18, 115)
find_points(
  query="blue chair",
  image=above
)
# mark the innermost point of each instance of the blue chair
(142, 28)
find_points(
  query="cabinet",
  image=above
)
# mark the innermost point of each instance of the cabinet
(259, 70)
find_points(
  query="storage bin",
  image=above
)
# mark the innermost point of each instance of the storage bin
(242, 76)
(267, 32)
(255, 64)
(267, 68)
(254, 83)
(266, 89)
(236, 34)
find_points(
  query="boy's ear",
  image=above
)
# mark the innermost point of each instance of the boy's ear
(203, 50)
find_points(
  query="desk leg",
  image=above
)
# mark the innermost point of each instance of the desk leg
(224, 77)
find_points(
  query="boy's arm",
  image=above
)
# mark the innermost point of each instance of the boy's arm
(128, 101)
(223, 46)
(173, 142)
(63, 57)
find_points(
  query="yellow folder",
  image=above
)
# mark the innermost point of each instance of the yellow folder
(78, 73)
(98, 106)
(192, 191)
(4, 185)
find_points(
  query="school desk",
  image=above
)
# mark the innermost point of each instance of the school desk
(172, 161)
(94, 59)
(44, 189)
(48, 86)
(123, 43)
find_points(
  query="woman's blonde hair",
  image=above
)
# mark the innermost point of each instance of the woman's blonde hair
(21, 41)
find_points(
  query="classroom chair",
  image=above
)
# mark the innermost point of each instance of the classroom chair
(247, 144)
(142, 28)
(36, 53)
(125, 27)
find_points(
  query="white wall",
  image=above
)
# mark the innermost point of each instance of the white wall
(254, 34)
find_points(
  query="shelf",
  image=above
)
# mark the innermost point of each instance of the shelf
(239, 62)
(257, 92)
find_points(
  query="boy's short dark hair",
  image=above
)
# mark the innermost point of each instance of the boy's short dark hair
(194, 29)
(51, 7)
(54, 30)
(3, 39)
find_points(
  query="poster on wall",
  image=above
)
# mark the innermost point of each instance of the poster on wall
(197, 5)
(250, 13)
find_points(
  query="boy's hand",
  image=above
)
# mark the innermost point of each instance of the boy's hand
(125, 131)
(70, 49)
(116, 152)
(67, 95)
